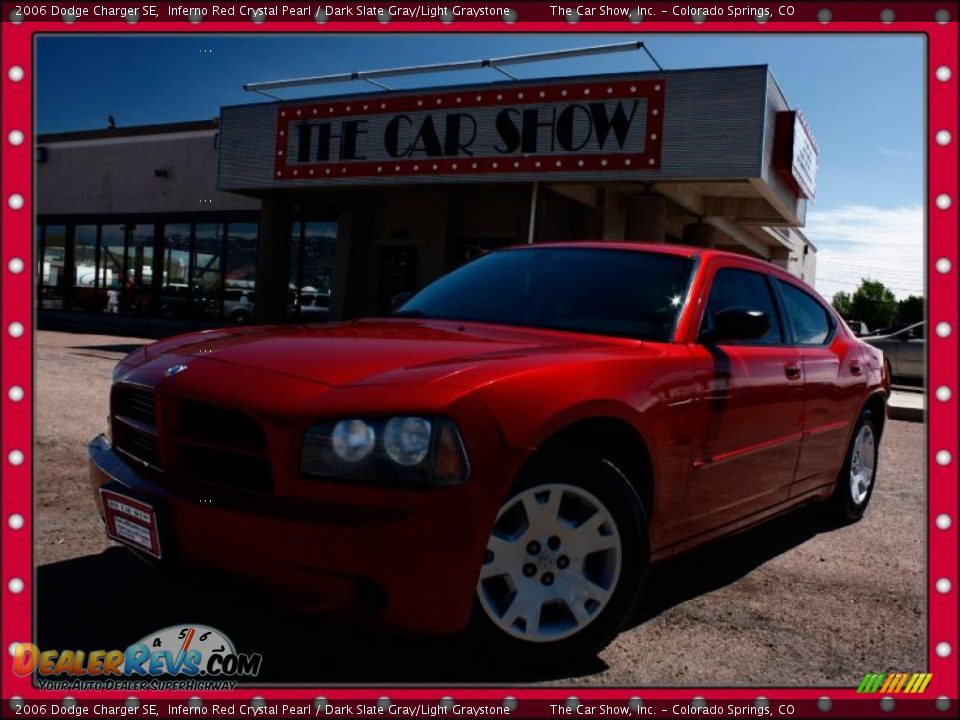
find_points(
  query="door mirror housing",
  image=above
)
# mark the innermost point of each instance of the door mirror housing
(738, 324)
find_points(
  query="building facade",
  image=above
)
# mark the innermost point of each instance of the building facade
(338, 207)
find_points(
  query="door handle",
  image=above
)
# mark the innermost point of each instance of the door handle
(855, 368)
(792, 371)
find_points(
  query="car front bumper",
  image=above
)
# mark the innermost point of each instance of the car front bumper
(402, 558)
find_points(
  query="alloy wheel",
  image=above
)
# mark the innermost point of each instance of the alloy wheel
(862, 464)
(552, 563)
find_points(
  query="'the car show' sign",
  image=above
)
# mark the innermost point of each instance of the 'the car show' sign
(796, 156)
(594, 126)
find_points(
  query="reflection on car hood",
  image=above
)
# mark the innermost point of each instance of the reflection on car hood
(386, 351)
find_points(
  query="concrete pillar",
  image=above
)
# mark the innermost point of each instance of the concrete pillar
(701, 235)
(346, 228)
(273, 261)
(646, 218)
(781, 258)
(614, 217)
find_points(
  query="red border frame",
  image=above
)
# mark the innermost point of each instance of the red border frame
(942, 293)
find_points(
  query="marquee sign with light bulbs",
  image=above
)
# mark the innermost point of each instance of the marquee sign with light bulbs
(705, 124)
(595, 126)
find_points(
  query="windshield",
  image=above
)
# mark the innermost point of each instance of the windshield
(625, 293)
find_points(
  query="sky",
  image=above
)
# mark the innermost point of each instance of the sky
(863, 97)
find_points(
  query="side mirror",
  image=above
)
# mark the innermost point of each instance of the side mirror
(739, 324)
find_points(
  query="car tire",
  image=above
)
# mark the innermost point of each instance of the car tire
(858, 475)
(577, 601)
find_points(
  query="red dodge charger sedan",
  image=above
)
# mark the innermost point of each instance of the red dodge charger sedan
(509, 451)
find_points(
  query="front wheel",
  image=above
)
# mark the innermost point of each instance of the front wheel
(564, 565)
(859, 472)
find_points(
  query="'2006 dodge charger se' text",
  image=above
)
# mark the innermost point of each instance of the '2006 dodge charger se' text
(508, 451)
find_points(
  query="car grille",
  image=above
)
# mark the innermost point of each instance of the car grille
(141, 404)
(137, 443)
(134, 413)
(199, 441)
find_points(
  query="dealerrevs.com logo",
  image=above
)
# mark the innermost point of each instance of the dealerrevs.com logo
(183, 656)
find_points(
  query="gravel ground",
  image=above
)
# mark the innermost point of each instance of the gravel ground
(794, 602)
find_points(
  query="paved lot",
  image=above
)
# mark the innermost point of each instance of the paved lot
(792, 603)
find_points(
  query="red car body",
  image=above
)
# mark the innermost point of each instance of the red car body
(725, 448)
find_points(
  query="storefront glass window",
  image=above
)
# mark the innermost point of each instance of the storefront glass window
(110, 270)
(311, 267)
(241, 255)
(140, 267)
(296, 240)
(208, 246)
(141, 255)
(175, 291)
(176, 259)
(52, 268)
(241, 272)
(85, 256)
(84, 294)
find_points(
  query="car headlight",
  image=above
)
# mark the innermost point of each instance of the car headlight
(403, 450)
(352, 440)
(407, 439)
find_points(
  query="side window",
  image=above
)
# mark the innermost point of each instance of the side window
(734, 288)
(810, 321)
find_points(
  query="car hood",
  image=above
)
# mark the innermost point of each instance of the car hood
(385, 351)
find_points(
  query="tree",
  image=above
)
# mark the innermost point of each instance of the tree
(910, 310)
(842, 304)
(874, 304)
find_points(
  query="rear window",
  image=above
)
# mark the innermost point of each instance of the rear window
(809, 320)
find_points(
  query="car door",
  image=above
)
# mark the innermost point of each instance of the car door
(833, 390)
(750, 398)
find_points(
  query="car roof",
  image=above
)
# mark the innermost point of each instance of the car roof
(690, 251)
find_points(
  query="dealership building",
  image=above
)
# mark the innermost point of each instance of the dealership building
(335, 207)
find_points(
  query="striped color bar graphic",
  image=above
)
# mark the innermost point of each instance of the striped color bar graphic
(894, 682)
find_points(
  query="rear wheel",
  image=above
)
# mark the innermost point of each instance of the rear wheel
(859, 472)
(565, 564)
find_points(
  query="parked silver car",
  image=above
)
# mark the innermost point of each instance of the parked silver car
(859, 327)
(903, 351)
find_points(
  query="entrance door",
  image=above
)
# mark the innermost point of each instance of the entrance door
(398, 274)
(468, 249)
